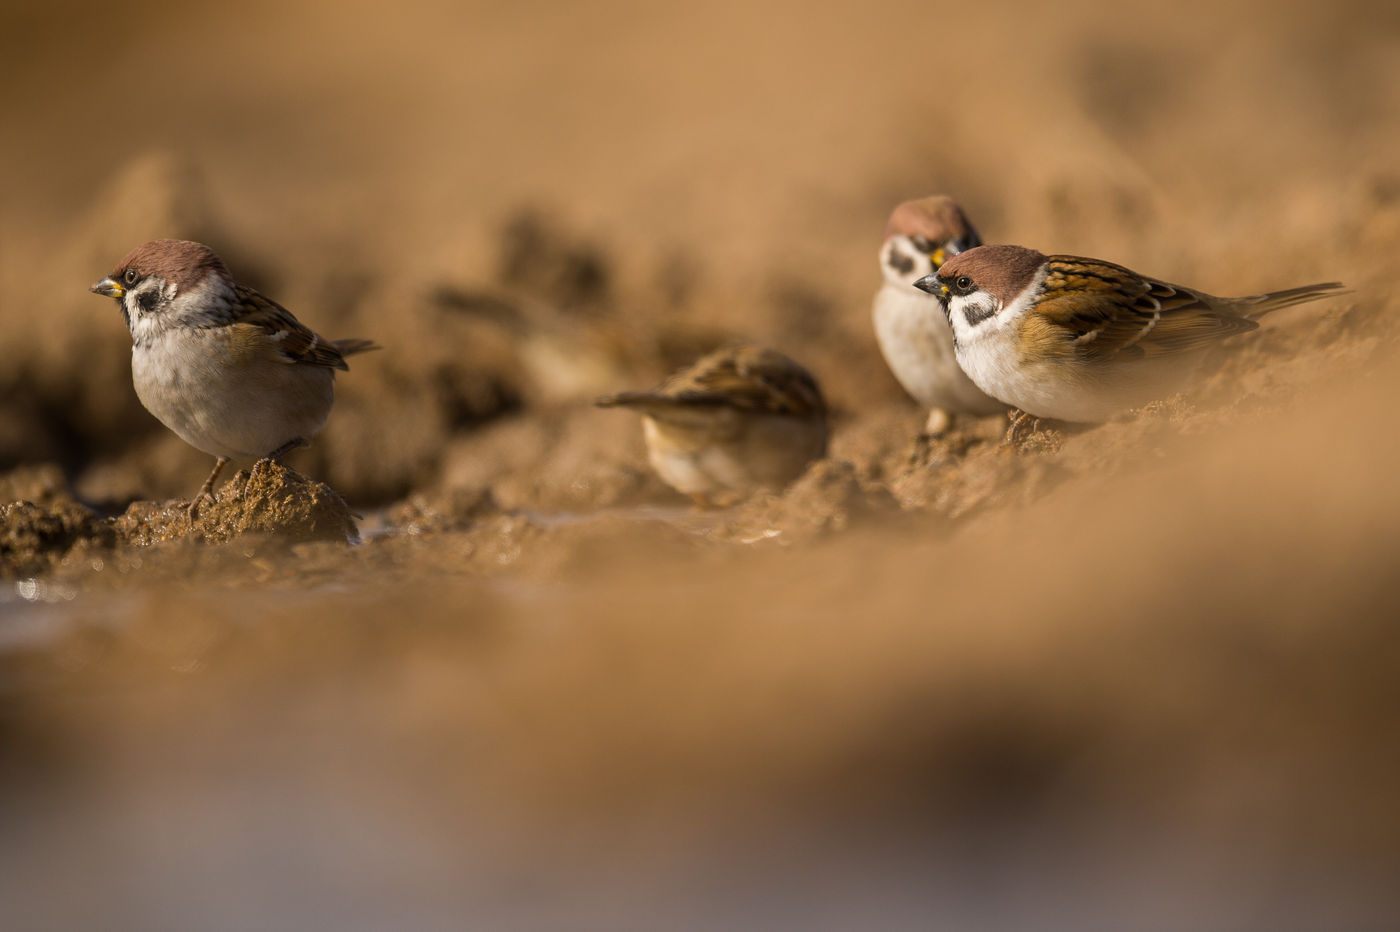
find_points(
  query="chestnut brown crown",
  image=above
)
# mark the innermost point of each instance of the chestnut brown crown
(177, 261)
(1001, 271)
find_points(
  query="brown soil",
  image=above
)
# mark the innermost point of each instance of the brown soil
(467, 662)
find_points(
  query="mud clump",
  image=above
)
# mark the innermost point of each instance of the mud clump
(40, 523)
(829, 497)
(271, 500)
(35, 537)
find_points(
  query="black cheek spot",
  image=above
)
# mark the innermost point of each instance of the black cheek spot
(147, 299)
(976, 313)
(900, 262)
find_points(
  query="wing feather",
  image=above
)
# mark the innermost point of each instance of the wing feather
(748, 379)
(294, 341)
(1110, 311)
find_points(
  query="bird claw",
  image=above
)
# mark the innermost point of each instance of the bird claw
(1019, 425)
(1024, 434)
(200, 499)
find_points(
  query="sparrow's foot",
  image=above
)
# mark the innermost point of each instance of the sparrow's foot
(1025, 434)
(1019, 425)
(206, 491)
(1041, 440)
(199, 499)
(262, 465)
(938, 422)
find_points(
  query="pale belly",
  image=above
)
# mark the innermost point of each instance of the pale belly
(1054, 391)
(739, 457)
(229, 410)
(917, 345)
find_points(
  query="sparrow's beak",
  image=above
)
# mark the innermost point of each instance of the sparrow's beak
(938, 257)
(933, 285)
(108, 288)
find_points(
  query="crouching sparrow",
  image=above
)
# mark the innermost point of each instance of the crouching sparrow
(737, 420)
(1078, 339)
(229, 371)
(909, 324)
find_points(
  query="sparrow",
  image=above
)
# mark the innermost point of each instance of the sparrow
(1076, 339)
(231, 372)
(737, 420)
(910, 327)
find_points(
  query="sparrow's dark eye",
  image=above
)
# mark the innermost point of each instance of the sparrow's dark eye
(130, 277)
(922, 243)
(962, 285)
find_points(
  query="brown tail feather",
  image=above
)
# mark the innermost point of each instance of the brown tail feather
(654, 401)
(695, 410)
(351, 347)
(1262, 304)
(625, 400)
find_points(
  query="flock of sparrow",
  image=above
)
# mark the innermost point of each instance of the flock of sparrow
(965, 328)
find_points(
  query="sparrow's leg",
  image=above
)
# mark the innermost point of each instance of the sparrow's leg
(938, 422)
(276, 454)
(207, 490)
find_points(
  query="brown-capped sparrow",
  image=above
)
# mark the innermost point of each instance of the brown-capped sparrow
(738, 419)
(1077, 339)
(909, 324)
(231, 372)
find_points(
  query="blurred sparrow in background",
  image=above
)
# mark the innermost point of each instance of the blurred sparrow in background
(737, 420)
(231, 372)
(1077, 339)
(909, 324)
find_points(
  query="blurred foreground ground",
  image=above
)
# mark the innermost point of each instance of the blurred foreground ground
(1147, 680)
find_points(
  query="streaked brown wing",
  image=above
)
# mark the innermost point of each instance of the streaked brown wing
(295, 342)
(1111, 311)
(749, 379)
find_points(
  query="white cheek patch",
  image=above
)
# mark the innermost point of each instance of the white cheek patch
(968, 313)
(980, 316)
(902, 262)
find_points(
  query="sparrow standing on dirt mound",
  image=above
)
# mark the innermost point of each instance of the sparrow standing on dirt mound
(737, 420)
(231, 372)
(909, 324)
(1077, 339)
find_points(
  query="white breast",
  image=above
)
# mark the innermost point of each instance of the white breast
(185, 377)
(989, 349)
(917, 345)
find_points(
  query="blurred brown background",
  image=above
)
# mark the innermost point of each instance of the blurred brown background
(1147, 684)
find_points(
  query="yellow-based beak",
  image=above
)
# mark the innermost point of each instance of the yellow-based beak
(108, 288)
(933, 285)
(938, 257)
